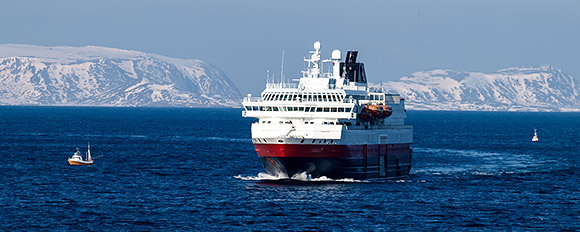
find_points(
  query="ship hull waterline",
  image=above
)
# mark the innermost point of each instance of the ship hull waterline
(368, 161)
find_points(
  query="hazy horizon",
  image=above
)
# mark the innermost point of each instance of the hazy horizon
(245, 39)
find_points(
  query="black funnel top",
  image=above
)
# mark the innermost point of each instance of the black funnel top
(351, 57)
(352, 70)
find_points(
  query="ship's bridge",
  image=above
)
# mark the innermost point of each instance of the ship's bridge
(282, 95)
(292, 103)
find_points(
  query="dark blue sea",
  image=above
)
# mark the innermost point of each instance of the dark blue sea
(196, 170)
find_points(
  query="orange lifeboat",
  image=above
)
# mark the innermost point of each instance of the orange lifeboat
(372, 112)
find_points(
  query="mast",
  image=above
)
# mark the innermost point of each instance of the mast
(89, 152)
(282, 70)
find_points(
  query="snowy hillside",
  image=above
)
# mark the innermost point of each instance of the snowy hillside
(100, 76)
(537, 88)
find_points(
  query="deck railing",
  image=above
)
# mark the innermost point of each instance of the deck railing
(281, 85)
(259, 99)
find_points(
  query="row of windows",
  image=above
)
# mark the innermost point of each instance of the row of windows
(377, 97)
(306, 122)
(331, 141)
(310, 122)
(323, 97)
(299, 109)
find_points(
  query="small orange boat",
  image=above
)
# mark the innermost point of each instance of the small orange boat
(77, 158)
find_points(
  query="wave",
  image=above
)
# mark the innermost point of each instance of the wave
(481, 163)
(261, 176)
(470, 153)
(241, 140)
(303, 177)
(141, 137)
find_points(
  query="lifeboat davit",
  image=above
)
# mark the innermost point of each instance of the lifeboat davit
(372, 112)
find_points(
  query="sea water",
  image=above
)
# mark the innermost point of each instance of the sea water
(196, 169)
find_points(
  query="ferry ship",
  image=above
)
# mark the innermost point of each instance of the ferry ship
(330, 124)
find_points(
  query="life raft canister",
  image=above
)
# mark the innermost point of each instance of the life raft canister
(372, 112)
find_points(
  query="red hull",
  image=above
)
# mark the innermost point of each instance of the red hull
(336, 161)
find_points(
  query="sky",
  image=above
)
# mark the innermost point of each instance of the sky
(247, 38)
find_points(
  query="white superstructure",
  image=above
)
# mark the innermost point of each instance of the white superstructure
(322, 106)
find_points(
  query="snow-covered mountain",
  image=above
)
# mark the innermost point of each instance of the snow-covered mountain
(101, 76)
(529, 88)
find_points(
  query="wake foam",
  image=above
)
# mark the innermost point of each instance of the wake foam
(303, 176)
(261, 176)
(481, 163)
(466, 153)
